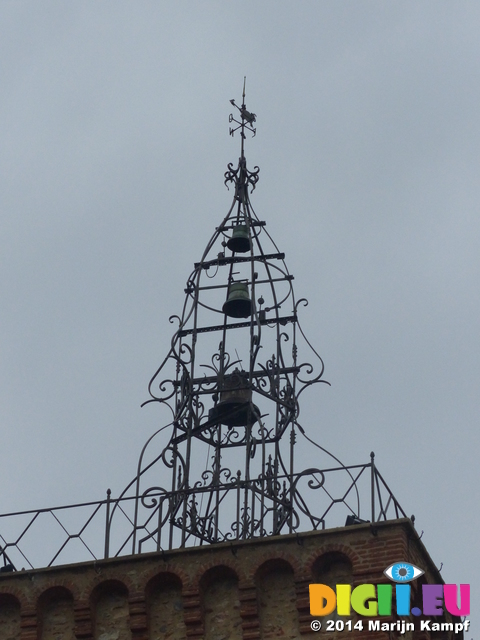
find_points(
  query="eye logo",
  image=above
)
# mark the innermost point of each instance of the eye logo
(403, 572)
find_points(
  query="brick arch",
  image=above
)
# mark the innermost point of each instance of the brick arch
(53, 593)
(340, 549)
(210, 568)
(67, 588)
(14, 596)
(108, 585)
(269, 559)
(10, 599)
(54, 582)
(332, 556)
(273, 563)
(217, 572)
(166, 568)
(163, 578)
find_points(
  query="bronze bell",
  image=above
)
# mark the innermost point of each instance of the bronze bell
(235, 408)
(240, 240)
(238, 303)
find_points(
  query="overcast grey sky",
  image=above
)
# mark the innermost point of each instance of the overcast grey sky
(114, 121)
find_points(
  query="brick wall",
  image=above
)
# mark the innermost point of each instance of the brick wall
(251, 590)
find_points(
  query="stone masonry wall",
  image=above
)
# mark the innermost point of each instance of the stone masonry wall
(248, 590)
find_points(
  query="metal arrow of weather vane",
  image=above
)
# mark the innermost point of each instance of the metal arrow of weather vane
(247, 118)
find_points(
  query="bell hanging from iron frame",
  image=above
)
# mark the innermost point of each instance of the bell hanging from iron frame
(238, 303)
(240, 240)
(235, 408)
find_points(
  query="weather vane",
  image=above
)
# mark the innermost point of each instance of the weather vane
(247, 118)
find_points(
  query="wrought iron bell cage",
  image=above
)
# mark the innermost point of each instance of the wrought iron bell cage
(233, 388)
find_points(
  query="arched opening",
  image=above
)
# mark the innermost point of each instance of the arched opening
(331, 569)
(56, 619)
(221, 604)
(165, 608)
(9, 617)
(277, 600)
(111, 615)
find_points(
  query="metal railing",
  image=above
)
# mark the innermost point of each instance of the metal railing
(135, 524)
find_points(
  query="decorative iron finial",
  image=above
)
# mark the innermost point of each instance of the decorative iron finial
(247, 118)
